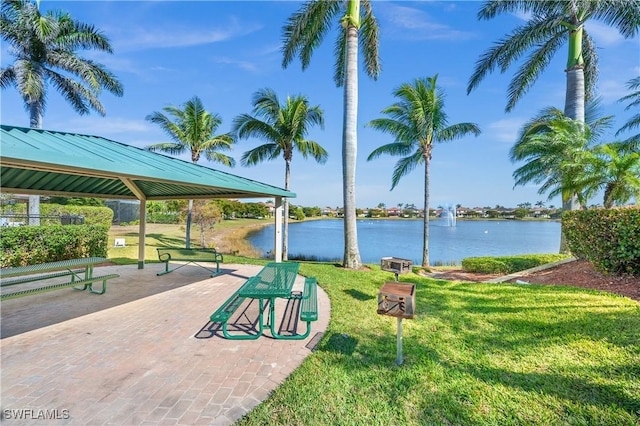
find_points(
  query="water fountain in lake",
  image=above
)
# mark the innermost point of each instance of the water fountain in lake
(449, 213)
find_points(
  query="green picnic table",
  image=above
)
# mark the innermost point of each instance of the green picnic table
(275, 280)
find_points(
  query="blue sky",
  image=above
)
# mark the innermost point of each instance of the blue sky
(167, 52)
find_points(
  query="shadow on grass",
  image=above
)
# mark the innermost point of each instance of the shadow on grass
(358, 295)
(167, 241)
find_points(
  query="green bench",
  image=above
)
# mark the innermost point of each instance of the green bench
(308, 306)
(194, 255)
(224, 313)
(80, 272)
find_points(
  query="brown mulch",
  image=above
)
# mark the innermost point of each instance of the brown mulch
(579, 273)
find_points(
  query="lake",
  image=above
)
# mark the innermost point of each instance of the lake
(448, 245)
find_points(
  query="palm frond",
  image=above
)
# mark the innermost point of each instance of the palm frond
(305, 30)
(532, 68)
(246, 126)
(623, 15)
(339, 54)
(369, 41)
(510, 48)
(218, 157)
(591, 71)
(394, 148)
(268, 151)
(168, 147)
(404, 166)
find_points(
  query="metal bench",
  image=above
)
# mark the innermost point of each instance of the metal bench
(194, 255)
(226, 310)
(80, 272)
(308, 307)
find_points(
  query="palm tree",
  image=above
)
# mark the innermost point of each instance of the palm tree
(614, 167)
(634, 122)
(417, 121)
(556, 150)
(192, 130)
(46, 48)
(304, 32)
(553, 23)
(285, 128)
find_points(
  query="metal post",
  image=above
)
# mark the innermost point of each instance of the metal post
(399, 343)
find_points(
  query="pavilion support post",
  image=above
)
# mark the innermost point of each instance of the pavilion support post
(34, 210)
(277, 243)
(142, 233)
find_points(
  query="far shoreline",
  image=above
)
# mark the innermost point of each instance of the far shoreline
(234, 238)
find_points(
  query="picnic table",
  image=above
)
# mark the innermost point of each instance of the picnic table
(80, 272)
(275, 280)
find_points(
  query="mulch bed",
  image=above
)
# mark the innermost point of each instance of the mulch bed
(579, 273)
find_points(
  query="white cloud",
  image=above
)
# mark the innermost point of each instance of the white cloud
(505, 130)
(245, 65)
(169, 37)
(612, 90)
(603, 34)
(104, 126)
(523, 16)
(407, 22)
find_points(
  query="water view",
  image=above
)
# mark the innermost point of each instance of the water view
(323, 239)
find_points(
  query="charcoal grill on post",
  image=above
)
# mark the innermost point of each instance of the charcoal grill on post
(395, 265)
(397, 300)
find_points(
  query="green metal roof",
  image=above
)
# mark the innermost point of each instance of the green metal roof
(37, 161)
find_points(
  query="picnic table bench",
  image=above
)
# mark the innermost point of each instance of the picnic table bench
(80, 272)
(192, 255)
(274, 281)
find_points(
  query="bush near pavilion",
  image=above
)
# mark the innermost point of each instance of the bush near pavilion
(50, 242)
(30, 245)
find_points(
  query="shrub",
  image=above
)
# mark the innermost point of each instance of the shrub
(92, 215)
(29, 245)
(508, 264)
(608, 238)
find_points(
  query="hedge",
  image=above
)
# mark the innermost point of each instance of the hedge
(29, 245)
(608, 238)
(92, 215)
(508, 264)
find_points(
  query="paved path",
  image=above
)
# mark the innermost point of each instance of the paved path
(144, 353)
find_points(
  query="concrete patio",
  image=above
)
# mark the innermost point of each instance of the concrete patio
(143, 353)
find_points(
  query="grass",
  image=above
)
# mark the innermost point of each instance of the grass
(474, 354)
(485, 354)
(167, 235)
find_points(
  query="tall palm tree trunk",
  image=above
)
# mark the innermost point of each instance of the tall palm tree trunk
(425, 231)
(285, 232)
(573, 107)
(574, 96)
(35, 121)
(349, 151)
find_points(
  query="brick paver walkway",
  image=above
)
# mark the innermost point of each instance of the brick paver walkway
(132, 357)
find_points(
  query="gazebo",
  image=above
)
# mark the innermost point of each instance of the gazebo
(45, 162)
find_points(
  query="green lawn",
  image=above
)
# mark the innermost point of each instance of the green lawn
(162, 235)
(477, 354)
(495, 354)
